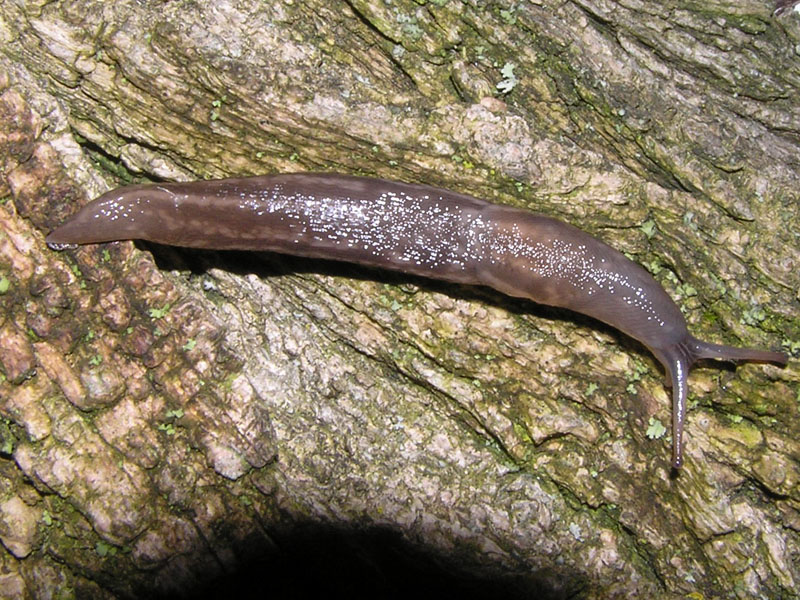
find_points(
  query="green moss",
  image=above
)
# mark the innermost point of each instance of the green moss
(522, 433)
(6, 438)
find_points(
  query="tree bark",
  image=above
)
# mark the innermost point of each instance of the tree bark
(170, 416)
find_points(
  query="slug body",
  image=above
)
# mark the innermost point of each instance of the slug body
(782, 6)
(415, 229)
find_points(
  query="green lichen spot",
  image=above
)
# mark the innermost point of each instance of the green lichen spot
(638, 370)
(508, 16)
(753, 316)
(189, 345)
(653, 267)
(4, 284)
(649, 228)
(656, 430)
(509, 81)
(410, 27)
(104, 549)
(217, 104)
(159, 313)
(686, 290)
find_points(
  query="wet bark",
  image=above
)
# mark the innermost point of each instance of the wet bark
(171, 416)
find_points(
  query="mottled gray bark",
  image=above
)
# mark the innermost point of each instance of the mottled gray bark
(169, 415)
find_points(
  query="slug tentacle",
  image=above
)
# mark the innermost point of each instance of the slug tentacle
(678, 370)
(416, 229)
(701, 349)
(677, 359)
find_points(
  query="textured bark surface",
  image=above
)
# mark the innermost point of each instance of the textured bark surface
(170, 416)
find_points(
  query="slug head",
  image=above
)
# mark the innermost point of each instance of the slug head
(678, 359)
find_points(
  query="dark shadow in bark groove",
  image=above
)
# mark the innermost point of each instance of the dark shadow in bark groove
(269, 264)
(318, 561)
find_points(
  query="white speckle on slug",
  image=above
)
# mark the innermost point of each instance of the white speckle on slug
(435, 235)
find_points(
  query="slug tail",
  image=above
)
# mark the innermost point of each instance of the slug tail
(87, 226)
(701, 349)
(68, 235)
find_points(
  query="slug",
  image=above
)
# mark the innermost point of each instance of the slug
(415, 229)
(782, 6)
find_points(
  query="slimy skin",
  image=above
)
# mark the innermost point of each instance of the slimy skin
(782, 6)
(415, 229)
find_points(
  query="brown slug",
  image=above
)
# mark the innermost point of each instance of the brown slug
(415, 229)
